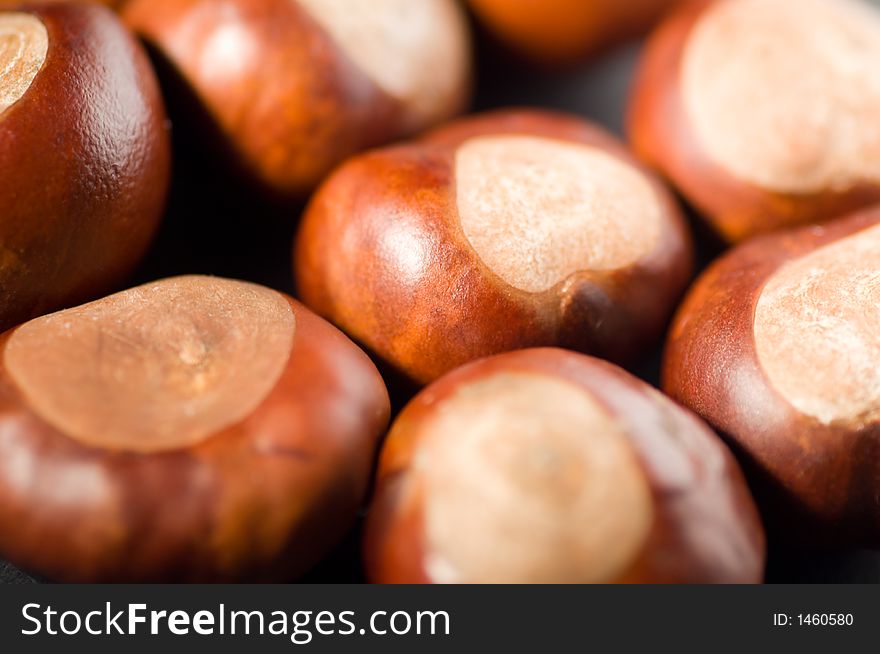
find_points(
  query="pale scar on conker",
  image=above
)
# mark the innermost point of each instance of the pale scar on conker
(24, 43)
(501, 231)
(547, 466)
(816, 331)
(785, 94)
(536, 465)
(537, 210)
(127, 373)
(396, 59)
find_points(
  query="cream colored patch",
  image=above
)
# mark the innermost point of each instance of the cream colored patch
(156, 367)
(537, 210)
(416, 51)
(816, 331)
(24, 43)
(527, 479)
(785, 94)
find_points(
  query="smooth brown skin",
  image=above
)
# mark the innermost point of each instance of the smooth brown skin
(84, 164)
(660, 134)
(5, 4)
(457, 309)
(560, 32)
(283, 117)
(815, 483)
(700, 496)
(263, 499)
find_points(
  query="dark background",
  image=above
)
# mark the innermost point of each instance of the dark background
(215, 227)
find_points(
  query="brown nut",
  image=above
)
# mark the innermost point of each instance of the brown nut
(777, 347)
(553, 32)
(6, 4)
(193, 429)
(84, 157)
(502, 231)
(293, 87)
(546, 466)
(762, 111)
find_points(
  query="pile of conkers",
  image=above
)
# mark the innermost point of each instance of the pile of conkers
(469, 290)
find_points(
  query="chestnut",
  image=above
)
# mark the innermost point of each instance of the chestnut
(289, 88)
(4, 4)
(762, 111)
(777, 347)
(561, 32)
(547, 466)
(501, 231)
(84, 157)
(192, 429)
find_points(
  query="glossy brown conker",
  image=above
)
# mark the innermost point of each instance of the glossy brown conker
(84, 157)
(191, 429)
(776, 346)
(547, 466)
(500, 231)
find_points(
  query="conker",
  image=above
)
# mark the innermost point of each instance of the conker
(192, 429)
(4, 4)
(547, 466)
(777, 347)
(497, 232)
(293, 87)
(762, 111)
(559, 32)
(84, 157)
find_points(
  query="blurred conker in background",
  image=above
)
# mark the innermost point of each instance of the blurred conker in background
(763, 112)
(287, 89)
(560, 32)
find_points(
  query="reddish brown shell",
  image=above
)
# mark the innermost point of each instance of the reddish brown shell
(660, 134)
(293, 105)
(705, 529)
(84, 166)
(555, 32)
(263, 499)
(382, 254)
(814, 482)
(11, 4)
